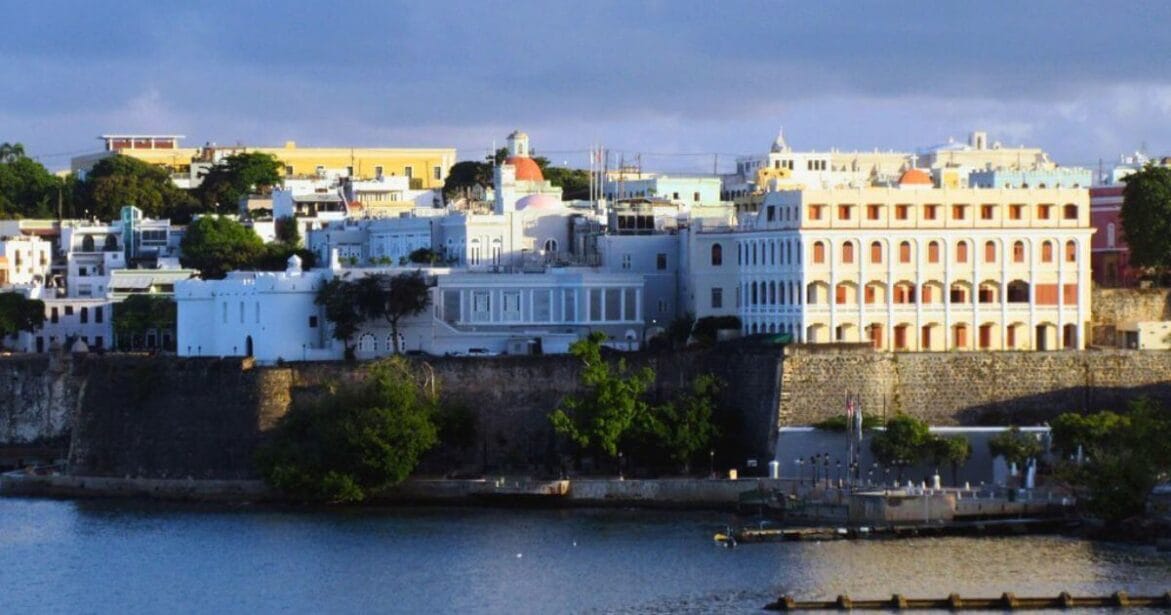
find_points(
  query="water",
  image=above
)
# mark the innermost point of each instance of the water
(141, 557)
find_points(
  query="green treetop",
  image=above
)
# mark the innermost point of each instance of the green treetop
(238, 176)
(27, 189)
(19, 313)
(1146, 217)
(120, 180)
(216, 246)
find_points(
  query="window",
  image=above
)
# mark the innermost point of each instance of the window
(840, 294)
(771, 213)
(870, 295)
(510, 306)
(378, 171)
(847, 252)
(99, 316)
(1043, 212)
(815, 212)
(905, 252)
(844, 212)
(437, 172)
(989, 252)
(1016, 212)
(1110, 235)
(84, 315)
(958, 212)
(69, 310)
(1047, 252)
(930, 212)
(987, 212)
(696, 197)
(873, 212)
(661, 261)
(959, 294)
(289, 169)
(962, 252)
(481, 306)
(1018, 252)
(1069, 212)
(53, 315)
(876, 252)
(1070, 252)
(717, 255)
(818, 252)
(409, 171)
(933, 252)
(717, 298)
(902, 212)
(626, 262)
(349, 171)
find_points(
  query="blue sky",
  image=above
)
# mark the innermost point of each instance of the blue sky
(685, 79)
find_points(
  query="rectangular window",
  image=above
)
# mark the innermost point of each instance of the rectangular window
(288, 169)
(987, 212)
(349, 171)
(1016, 212)
(961, 252)
(1043, 212)
(696, 197)
(930, 212)
(99, 315)
(53, 315)
(312, 322)
(69, 310)
(409, 171)
(717, 298)
(815, 212)
(84, 315)
(771, 213)
(902, 212)
(958, 212)
(989, 252)
(378, 171)
(661, 261)
(626, 262)
(873, 212)
(481, 306)
(437, 173)
(510, 306)
(844, 212)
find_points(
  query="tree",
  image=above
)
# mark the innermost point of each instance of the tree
(611, 403)
(392, 298)
(465, 177)
(215, 245)
(904, 442)
(706, 330)
(1015, 446)
(19, 313)
(684, 427)
(574, 183)
(954, 451)
(287, 231)
(1125, 456)
(238, 176)
(424, 256)
(27, 188)
(355, 440)
(120, 180)
(339, 298)
(1146, 217)
(139, 315)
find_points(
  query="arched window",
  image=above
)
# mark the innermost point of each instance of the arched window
(990, 252)
(848, 252)
(111, 243)
(905, 252)
(717, 255)
(1070, 252)
(550, 246)
(1018, 252)
(933, 252)
(962, 252)
(876, 252)
(87, 243)
(818, 252)
(1047, 252)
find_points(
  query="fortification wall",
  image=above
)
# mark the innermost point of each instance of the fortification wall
(968, 388)
(38, 398)
(1110, 307)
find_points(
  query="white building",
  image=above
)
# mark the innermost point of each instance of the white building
(25, 259)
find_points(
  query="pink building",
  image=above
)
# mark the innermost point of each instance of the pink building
(1109, 255)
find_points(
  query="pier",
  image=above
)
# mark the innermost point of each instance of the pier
(955, 602)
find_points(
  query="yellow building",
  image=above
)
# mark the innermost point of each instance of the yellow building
(917, 268)
(426, 167)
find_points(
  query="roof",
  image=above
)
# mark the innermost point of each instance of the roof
(538, 202)
(526, 169)
(916, 177)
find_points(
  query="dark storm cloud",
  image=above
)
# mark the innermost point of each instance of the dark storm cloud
(457, 73)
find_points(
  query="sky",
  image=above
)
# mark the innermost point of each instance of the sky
(688, 85)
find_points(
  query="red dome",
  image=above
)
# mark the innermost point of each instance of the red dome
(526, 169)
(915, 177)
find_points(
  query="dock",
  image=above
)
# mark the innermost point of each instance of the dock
(955, 602)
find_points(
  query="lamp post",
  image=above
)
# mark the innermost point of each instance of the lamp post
(711, 463)
(798, 461)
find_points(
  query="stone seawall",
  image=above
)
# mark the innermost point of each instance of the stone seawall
(170, 418)
(967, 388)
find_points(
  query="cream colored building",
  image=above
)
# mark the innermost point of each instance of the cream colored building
(918, 268)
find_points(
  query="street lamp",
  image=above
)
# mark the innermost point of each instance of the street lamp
(711, 463)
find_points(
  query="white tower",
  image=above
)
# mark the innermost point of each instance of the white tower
(518, 144)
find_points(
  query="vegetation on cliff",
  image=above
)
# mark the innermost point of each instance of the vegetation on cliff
(614, 413)
(1115, 460)
(19, 313)
(354, 440)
